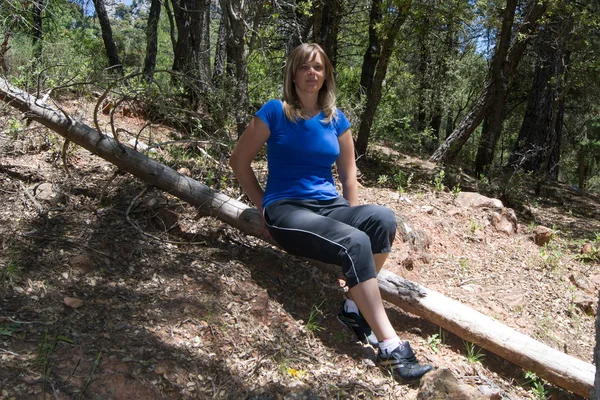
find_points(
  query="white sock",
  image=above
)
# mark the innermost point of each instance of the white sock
(350, 307)
(388, 345)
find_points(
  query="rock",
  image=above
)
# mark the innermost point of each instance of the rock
(185, 171)
(587, 248)
(542, 235)
(583, 282)
(584, 302)
(442, 385)
(455, 211)
(476, 200)
(426, 209)
(72, 302)
(47, 192)
(505, 222)
(491, 392)
(83, 263)
(472, 288)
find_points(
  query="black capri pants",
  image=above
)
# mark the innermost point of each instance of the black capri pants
(331, 231)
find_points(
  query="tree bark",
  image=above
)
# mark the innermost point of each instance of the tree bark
(295, 25)
(107, 37)
(374, 92)
(220, 51)
(538, 145)
(373, 50)
(492, 127)
(152, 39)
(448, 150)
(38, 26)
(4, 47)
(238, 13)
(550, 364)
(326, 26)
(192, 52)
(172, 34)
(595, 392)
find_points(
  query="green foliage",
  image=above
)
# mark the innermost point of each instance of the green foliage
(438, 181)
(551, 255)
(8, 329)
(312, 325)
(10, 272)
(538, 388)
(14, 128)
(456, 190)
(474, 353)
(436, 340)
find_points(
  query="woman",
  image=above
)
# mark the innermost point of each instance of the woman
(302, 210)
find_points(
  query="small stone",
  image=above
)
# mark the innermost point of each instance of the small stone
(542, 235)
(83, 263)
(587, 248)
(442, 384)
(476, 200)
(72, 302)
(185, 171)
(583, 282)
(584, 302)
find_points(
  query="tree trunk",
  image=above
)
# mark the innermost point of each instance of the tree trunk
(550, 364)
(4, 47)
(220, 51)
(581, 167)
(454, 143)
(424, 81)
(449, 123)
(171, 24)
(38, 33)
(237, 13)
(374, 92)
(538, 145)
(373, 50)
(295, 25)
(326, 26)
(152, 39)
(595, 392)
(499, 82)
(192, 52)
(107, 37)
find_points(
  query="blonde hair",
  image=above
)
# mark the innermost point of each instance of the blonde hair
(326, 100)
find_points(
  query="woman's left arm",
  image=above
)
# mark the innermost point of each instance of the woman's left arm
(346, 166)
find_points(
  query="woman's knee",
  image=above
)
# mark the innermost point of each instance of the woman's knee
(360, 265)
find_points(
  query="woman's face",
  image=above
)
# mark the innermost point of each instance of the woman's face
(310, 75)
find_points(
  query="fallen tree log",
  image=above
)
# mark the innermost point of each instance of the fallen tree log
(552, 365)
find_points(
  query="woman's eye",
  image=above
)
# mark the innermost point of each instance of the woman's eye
(304, 68)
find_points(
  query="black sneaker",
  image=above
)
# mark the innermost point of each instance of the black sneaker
(403, 364)
(359, 326)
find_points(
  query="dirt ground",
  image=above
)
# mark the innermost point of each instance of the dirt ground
(112, 290)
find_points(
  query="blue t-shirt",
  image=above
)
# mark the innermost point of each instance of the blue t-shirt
(300, 154)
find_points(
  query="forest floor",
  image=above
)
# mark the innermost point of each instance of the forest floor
(103, 298)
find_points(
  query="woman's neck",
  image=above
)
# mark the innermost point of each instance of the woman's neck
(310, 104)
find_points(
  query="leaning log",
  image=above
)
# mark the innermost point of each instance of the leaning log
(552, 365)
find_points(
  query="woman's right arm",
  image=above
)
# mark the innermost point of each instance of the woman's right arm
(247, 147)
